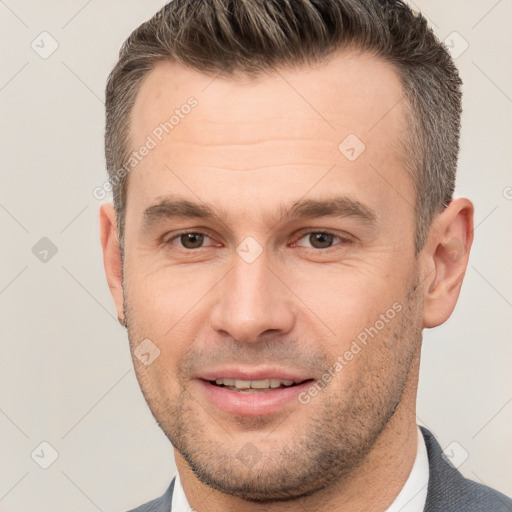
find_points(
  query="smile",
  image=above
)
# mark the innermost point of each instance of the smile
(253, 386)
(252, 395)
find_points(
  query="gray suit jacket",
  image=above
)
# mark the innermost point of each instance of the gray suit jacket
(448, 490)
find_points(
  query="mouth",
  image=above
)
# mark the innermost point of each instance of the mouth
(254, 395)
(254, 386)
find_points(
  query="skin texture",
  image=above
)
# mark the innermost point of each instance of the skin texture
(250, 150)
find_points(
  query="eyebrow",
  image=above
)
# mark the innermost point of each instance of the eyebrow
(341, 207)
(335, 207)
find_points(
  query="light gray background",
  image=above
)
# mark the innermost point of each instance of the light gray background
(65, 372)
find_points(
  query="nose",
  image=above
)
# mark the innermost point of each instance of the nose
(253, 302)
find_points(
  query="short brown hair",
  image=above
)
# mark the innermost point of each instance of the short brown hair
(255, 36)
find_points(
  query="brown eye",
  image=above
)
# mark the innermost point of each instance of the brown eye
(321, 240)
(191, 240)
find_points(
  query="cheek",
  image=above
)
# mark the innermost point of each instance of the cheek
(163, 300)
(171, 304)
(349, 299)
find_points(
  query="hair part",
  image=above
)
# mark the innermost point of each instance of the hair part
(251, 37)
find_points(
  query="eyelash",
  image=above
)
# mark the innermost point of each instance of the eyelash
(342, 240)
(178, 235)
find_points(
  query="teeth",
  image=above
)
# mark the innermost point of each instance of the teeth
(254, 384)
(225, 382)
(259, 384)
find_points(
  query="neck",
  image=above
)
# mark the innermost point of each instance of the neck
(373, 485)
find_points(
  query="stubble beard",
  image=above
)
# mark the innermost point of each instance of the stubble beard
(336, 438)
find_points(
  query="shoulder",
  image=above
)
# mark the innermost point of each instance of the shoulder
(449, 491)
(162, 504)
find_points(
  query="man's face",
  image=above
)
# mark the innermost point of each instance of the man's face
(307, 261)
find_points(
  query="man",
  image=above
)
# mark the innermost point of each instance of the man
(283, 229)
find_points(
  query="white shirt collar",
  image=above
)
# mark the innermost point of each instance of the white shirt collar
(179, 500)
(412, 497)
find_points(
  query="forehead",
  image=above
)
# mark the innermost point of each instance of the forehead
(288, 125)
(352, 90)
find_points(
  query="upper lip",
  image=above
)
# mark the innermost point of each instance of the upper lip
(254, 374)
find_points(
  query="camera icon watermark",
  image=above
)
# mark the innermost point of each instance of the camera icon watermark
(44, 250)
(147, 352)
(249, 249)
(249, 455)
(455, 249)
(456, 44)
(44, 455)
(351, 147)
(44, 45)
(455, 454)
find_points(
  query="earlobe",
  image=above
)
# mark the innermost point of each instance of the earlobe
(447, 251)
(112, 257)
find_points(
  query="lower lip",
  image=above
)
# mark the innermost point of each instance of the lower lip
(254, 403)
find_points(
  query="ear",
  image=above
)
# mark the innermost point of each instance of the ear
(446, 254)
(112, 256)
